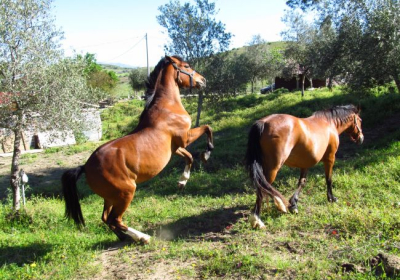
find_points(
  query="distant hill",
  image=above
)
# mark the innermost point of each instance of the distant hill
(272, 45)
(124, 68)
(118, 65)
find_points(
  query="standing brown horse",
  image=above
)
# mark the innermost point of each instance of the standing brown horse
(283, 139)
(114, 169)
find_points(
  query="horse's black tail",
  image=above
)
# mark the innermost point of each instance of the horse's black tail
(69, 188)
(254, 166)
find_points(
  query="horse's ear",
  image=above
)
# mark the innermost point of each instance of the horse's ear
(358, 109)
(167, 57)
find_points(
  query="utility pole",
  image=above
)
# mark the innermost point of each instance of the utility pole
(147, 54)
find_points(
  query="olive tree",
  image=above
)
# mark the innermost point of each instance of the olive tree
(137, 79)
(38, 86)
(300, 51)
(194, 32)
(363, 39)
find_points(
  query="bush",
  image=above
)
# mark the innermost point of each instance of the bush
(281, 90)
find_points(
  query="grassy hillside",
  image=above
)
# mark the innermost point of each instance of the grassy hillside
(203, 232)
(122, 89)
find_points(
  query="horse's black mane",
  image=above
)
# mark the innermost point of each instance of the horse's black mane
(338, 113)
(152, 79)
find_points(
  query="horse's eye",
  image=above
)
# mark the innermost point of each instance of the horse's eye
(187, 66)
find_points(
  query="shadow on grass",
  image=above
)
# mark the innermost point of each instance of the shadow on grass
(209, 224)
(212, 225)
(21, 255)
(46, 183)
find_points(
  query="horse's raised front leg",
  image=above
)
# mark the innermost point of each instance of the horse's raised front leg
(186, 173)
(195, 133)
(328, 165)
(254, 219)
(295, 197)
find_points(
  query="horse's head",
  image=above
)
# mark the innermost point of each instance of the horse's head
(354, 129)
(186, 77)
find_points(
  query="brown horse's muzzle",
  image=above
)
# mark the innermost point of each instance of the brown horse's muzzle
(201, 82)
(360, 139)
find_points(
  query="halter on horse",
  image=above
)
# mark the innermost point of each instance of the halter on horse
(281, 139)
(114, 169)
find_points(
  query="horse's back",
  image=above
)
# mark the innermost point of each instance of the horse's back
(279, 127)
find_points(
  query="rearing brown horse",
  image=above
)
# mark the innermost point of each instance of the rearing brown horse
(115, 168)
(284, 139)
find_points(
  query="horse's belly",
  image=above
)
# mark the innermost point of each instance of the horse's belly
(151, 169)
(302, 159)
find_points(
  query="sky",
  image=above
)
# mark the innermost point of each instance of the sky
(115, 30)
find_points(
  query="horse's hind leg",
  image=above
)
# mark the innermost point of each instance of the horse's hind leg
(255, 219)
(295, 197)
(114, 221)
(107, 218)
(106, 211)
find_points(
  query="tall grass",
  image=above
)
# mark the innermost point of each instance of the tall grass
(203, 232)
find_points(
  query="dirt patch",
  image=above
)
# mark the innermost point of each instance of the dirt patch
(117, 263)
(43, 170)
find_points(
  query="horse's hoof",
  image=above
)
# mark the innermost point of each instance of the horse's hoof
(256, 222)
(333, 199)
(205, 156)
(181, 187)
(279, 204)
(145, 239)
(293, 209)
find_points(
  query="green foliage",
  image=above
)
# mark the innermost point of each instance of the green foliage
(204, 232)
(281, 90)
(193, 30)
(91, 63)
(97, 77)
(137, 79)
(354, 39)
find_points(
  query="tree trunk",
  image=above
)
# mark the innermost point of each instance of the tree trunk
(15, 178)
(397, 81)
(330, 86)
(199, 107)
(303, 79)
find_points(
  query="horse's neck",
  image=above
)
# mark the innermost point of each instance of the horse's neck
(167, 90)
(341, 127)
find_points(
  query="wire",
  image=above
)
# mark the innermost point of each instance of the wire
(107, 43)
(129, 49)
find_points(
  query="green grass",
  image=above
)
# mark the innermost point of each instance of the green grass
(203, 232)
